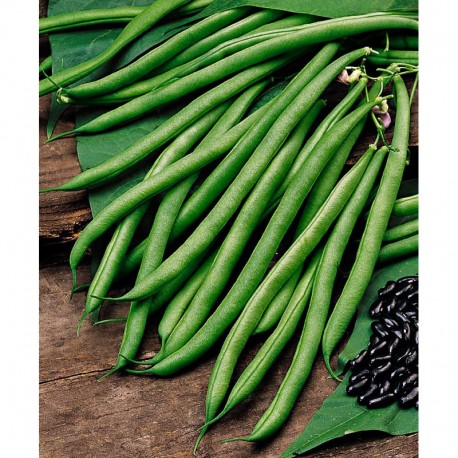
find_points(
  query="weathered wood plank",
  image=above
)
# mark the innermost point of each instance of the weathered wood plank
(131, 416)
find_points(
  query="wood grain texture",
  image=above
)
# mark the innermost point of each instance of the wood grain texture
(133, 416)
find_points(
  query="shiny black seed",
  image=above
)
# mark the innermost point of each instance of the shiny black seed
(401, 317)
(401, 305)
(374, 340)
(379, 329)
(381, 401)
(363, 398)
(400, 358)
(382, 372)
(404, 291)
(390, 323)
(412, 358)
(399, 373)
(358, 387)
(413, 297)
(379, 361)
(389, 306)
(379, 349)
(410, 399)
(394, 345)
(406, 332)
(409, 382)
(387, 290)
(365, 373)
(359, 361)
(375, 309)
(384, 387)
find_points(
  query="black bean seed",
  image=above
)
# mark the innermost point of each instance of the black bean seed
(379, 329)
(399, 373)
(375, 309)
(358, 387)
(379, 361)
(380, 348)
(400, 358)
(390, 322)
(412, 358)
(401, 305)
(410, 399)
(406, 332)
(381, 401)
(382, 371)
(374, 340)
(389, 306)
(384, 387)
(401, 317)
(394, 345)
(363, 398)
(413, 297)
(404, 291)
(365, 373)
(359, 361)
(388, 289)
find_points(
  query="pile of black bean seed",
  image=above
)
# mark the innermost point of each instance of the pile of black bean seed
(387, 371)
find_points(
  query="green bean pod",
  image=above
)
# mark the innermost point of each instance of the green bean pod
(247, 321)
(119, 164)
(169, 207)
(277, 306)
(220, 178)
(239, 29)
(335, 115)
(137, 26)
(406, 206)
(237, 238)
(275, 343)
(104, 16)
(178, 305)
(227, 121)
(157, 56)
(377, 222)
(293, 42)
(46, 65)
(190, 164)
(399, 249)
(384, 58)
(168, 72)
(395, 233)
(264, 251)
(124, 233)
(266, 140)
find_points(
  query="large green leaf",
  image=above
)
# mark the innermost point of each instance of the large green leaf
(323, 8)
(341, 414)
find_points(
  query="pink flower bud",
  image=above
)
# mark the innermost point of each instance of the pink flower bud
(343, 77)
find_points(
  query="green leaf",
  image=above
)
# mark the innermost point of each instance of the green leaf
(323, 8)
(341, 414)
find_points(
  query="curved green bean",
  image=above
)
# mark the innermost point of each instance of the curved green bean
(110, 169)
(399, 249)
(157, 56)
(236, 240)
(395, 233)
(190, 164)
(406, 206)
(138, 25)
(376, 225)
(247, 321)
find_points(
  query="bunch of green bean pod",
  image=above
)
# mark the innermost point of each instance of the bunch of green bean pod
(241, 221)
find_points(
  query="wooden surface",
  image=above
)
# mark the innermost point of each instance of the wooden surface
(129, 416)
